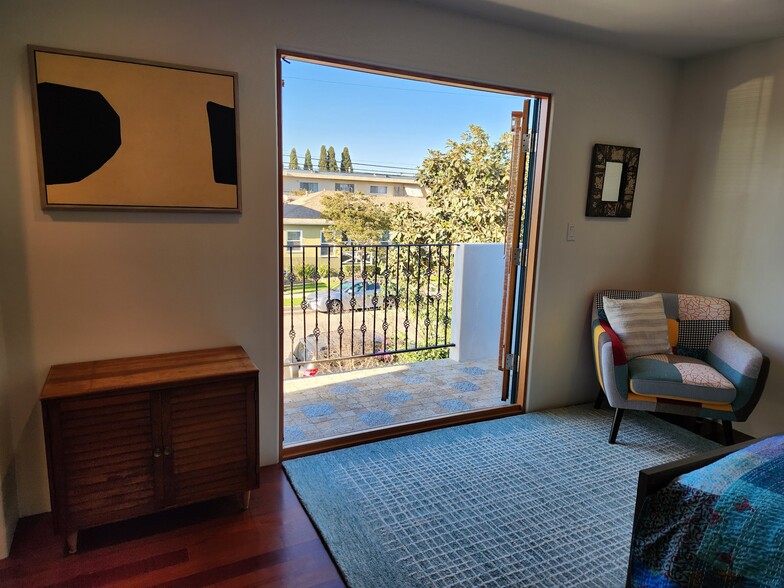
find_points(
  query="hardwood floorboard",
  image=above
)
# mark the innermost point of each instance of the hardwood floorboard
(273, 543)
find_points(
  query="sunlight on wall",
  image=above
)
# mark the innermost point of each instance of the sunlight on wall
(736, 186)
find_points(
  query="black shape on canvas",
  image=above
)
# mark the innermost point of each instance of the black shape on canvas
(223, 139)
(80, 131)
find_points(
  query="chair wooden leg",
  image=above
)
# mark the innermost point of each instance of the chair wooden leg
(729, 435)
(616, 425)
(599, 399)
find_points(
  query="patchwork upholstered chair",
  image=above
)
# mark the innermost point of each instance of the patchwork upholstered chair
(701, 368)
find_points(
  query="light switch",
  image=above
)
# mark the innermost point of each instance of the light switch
(570, 231)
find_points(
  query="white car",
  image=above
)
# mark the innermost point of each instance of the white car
(366, 294)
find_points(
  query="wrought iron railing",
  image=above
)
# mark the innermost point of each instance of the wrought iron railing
(352, 301)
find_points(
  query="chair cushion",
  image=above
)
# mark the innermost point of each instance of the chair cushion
(680, 377)
(640, 324)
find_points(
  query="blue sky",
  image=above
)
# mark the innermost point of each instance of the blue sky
(384, 121)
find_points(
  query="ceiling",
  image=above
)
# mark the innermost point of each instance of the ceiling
(669, 28)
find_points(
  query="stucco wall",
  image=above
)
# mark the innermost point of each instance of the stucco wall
(726, 203)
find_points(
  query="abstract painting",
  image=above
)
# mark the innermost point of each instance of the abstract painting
(116, 133)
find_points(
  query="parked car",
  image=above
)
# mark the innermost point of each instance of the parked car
(366, 294)
(329, 346)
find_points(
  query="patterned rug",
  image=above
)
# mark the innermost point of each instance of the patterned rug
(535, 500)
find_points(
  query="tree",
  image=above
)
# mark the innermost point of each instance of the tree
(356, 216)
(332, 163)
(322, 165)
(308, 161)
(345, 161)
(467, 187)
(293, 161)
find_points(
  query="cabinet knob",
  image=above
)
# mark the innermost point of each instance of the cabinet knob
(157, 452)
(167, 450)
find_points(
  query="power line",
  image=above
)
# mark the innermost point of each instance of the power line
(378, 87)
(286, 159)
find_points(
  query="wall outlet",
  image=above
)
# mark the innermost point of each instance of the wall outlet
(570, 231)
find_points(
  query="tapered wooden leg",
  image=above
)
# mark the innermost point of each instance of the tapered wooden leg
(729, 435)
(616, 425)
(599, 399)
(70, 542)
(244, 500)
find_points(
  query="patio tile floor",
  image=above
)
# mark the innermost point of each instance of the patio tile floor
(338, 404)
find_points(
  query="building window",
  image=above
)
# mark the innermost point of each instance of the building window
(309, 186)
(386, 238)
(294, 240)
(378, 189)
(344, 187)
(327, 249)
(400, 191)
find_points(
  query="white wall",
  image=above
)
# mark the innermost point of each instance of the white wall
(726, 200)
(88, 285)
(476, 300)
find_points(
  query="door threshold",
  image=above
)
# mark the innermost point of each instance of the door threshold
(351, 439)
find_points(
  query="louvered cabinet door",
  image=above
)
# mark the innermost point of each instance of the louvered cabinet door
(210, 439)
(104, 468)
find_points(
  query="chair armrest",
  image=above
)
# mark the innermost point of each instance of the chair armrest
(619, 353)
(743, 365)
(610, 359)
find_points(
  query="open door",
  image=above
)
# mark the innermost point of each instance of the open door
(518, 209)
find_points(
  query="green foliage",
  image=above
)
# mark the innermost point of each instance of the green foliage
(293, 161)
(467, 188)
(425, 355)
(356, 216)
(345, 161)
(322, 164)
(308, 161)
(332, 164)
(305, 271)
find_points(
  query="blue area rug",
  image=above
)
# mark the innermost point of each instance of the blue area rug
(535, 500)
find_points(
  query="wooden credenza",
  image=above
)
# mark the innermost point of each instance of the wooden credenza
(128, 437)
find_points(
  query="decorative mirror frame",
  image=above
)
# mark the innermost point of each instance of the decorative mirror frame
(598, 204)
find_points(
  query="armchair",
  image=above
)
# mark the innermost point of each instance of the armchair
(710, 372)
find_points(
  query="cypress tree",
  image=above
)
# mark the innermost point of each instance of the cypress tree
(293, 161)
(323, 159)
(332, 162)
(345, 161)
(308, 161)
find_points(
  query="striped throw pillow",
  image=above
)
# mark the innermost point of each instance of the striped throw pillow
(640, 324)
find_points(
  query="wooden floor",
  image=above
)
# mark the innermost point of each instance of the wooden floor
(271, 544)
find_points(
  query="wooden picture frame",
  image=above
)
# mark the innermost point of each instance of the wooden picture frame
(115, 133)
(612, 181)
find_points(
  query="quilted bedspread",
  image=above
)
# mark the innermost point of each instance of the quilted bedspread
(720, 525)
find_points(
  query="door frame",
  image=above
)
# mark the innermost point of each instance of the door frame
(312, 447)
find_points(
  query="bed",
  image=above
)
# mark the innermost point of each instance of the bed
(716, 519)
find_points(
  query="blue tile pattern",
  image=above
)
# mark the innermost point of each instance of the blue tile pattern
(343, 389)
(397, 397)
(454, 405)
(413, 379)
(332, 404)
(377, 418)
(464, 386)
(317, 409)
(293, 435)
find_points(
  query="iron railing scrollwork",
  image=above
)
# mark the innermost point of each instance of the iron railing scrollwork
(350, 301)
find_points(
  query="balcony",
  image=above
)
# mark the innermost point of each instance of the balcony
(388, 334)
